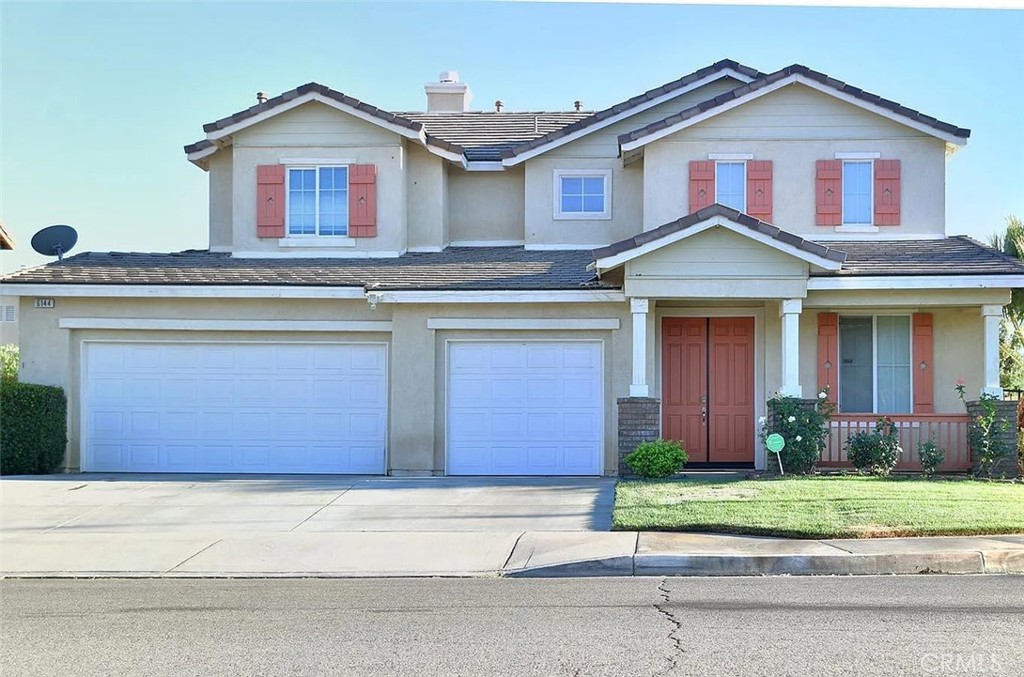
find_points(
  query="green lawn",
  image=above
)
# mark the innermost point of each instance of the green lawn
(821, 507)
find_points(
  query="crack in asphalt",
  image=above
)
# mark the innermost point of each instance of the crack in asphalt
(677, 627)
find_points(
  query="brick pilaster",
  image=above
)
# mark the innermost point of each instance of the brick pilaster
(1006, 411)
(639, 421)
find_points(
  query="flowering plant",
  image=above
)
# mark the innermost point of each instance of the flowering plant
(803, 424)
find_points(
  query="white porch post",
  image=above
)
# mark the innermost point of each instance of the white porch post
(790, 310)
(639, 308)
(992, 316)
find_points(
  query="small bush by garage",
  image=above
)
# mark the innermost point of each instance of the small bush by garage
(33, 427)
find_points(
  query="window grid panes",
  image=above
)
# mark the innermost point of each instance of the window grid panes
(318, 201)
(857, 193)
(582, 194)
(8, 314)
(731, 185)
(874, 364)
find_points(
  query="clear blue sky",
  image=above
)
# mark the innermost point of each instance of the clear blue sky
(99, 99)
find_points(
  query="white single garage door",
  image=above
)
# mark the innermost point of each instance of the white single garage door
(525, 408)
(234, 407)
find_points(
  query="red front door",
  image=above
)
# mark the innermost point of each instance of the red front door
(708, 387)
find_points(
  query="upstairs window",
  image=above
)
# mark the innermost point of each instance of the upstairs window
(731, 185)
(857, 194)
(582, 194)
(875, 373)
(318, 201)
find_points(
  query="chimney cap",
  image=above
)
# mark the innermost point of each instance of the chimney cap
(448, 76)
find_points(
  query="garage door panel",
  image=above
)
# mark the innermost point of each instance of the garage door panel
(516, 408)
(262, 408)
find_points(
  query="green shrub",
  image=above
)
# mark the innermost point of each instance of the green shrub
(875, 452)
(33, 428)
(659, 458)
(931, 456)
(9, 362)
(804, 427)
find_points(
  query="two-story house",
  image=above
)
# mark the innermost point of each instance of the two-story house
(503, 293)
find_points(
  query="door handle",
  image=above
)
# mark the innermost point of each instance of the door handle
(703, 414)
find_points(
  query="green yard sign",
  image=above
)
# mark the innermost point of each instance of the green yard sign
(774, 443)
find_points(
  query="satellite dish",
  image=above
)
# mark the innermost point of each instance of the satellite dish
(55, 240)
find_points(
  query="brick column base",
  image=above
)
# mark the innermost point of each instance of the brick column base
(639, 421)
(1006, 410)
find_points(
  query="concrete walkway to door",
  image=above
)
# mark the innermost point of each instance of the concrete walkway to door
(156, 524)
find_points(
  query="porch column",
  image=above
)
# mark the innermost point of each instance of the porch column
(992, 316)
(638, 387)
(789, 311)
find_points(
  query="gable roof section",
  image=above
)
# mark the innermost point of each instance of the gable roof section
(312, 91)
(816, 254)
(652, 97)
(795, 74)
(6, 241)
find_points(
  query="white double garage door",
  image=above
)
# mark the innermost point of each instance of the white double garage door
(513, 407)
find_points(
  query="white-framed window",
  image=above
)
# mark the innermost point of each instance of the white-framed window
(317, 201)
(583, 194)
(731, 184)
(875, 374)
(8, 314)
(858, 193)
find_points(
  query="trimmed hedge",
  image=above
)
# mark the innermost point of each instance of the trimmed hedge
(33, 428)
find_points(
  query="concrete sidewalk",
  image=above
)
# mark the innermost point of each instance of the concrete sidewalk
(508, 553)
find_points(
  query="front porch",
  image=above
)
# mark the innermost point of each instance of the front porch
(729, 312)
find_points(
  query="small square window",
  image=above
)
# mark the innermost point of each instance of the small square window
(582, 195)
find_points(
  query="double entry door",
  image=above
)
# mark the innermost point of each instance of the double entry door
(707, 387)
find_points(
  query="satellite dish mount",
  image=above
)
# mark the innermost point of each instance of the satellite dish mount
(55, 240)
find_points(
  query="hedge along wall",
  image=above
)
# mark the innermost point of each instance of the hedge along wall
(33, 428)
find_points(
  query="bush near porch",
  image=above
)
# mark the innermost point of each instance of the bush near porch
(822, 507)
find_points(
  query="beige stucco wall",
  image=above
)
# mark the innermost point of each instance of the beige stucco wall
(221, 214)
(427, 198)
(416, 442)
(9, 331)
(317, 131)
(486, 206)
(794, 127)
(626, 203)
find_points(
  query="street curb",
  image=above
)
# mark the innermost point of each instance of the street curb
(670, 564)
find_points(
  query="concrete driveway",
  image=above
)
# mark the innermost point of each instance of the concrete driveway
(286, 525)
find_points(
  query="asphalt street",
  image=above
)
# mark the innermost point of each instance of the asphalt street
(927, 625)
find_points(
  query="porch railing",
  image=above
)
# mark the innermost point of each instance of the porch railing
(948, 430)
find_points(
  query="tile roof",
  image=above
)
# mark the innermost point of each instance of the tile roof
(621, 107)
(488, 268)
(488, 135)
(957, 255)
(6, 241)
(456, 268)
(795, 69)
(314, 87)
(701, 215)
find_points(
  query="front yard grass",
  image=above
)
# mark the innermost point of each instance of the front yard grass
(821, 507)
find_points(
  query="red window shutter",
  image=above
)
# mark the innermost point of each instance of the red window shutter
(887, 192)
(828, 354)
(759, 189)
(270, 200)
(362, 200)
(923, 366)
(829, 193)
(702, 184)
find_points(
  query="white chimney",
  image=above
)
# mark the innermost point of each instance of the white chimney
(448, 95)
